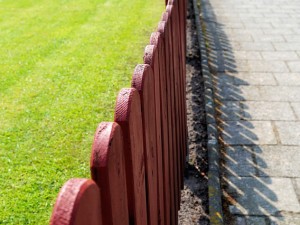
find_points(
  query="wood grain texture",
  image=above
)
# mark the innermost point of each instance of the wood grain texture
(180, 7)
(167, 32)
(151, 58)
(157, 40)
(107, 166)
(128, 116)
(78, 203)
(143, 82)
(176, 72)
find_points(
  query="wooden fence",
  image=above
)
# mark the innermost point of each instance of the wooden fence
(137, 161)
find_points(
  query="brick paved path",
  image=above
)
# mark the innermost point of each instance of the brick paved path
(254, 56)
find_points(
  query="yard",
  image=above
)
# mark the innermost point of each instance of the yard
(62, 63)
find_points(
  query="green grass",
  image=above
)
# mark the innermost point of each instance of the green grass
(62, 64)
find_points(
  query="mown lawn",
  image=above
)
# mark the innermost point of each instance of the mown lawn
(62, 63)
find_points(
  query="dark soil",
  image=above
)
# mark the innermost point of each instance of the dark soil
(194, 197)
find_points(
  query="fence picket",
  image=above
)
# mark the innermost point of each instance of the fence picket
(78, 203)
(150, 58)
(108, 171)
(172, 106)
(143, 82)
(175, 62)
(128, 116)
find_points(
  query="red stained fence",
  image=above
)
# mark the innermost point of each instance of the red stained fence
(137, 161)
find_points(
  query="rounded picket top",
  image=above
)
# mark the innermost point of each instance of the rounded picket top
(107, 166)
(155, 39)
(142, 73)
(165, 16)
(128, 116)
(169, 9)
(161, 27)
(170, 2)
(149, 55)
(78, 203)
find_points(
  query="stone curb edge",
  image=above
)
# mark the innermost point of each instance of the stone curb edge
(214, 186)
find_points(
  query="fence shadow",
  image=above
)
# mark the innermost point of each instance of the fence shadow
(245, 186)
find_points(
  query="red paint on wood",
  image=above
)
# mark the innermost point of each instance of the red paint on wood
(172, 18)
(180, 7)
(167, 50)
(157, 40)
(150, 58)
(143, 82)
(128, 116)
(171, 82)
(78, 203)
(108, 171)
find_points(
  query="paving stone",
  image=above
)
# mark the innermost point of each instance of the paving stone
(252, 15)
(268, 20)
(288, 79)
(224, 79)
(287, 46)
(230, 31)
(252, 78)
(251, 55)
(289, 132)
(256, 220)
(259, 93)
(287, 220)
(254, 110)
(252, 46)
(297, 187)
(240, 37)
(282, 55)
(278, 14)
(230, 110)
(221, 61)
(222, 64)
(258, 25)
(294, 66)
(267, 66)
(238, 93)
(226, 20)
(292, 38)
(262, 195)
(271, 31)
(248, 133)
(289, 25)
(234, 25)
(249, 220)
(296, 108)
(278, 161)
(279, 93)
(268, 38)
(239, 161)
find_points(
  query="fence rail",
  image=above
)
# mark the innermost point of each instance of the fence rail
(137, 161)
